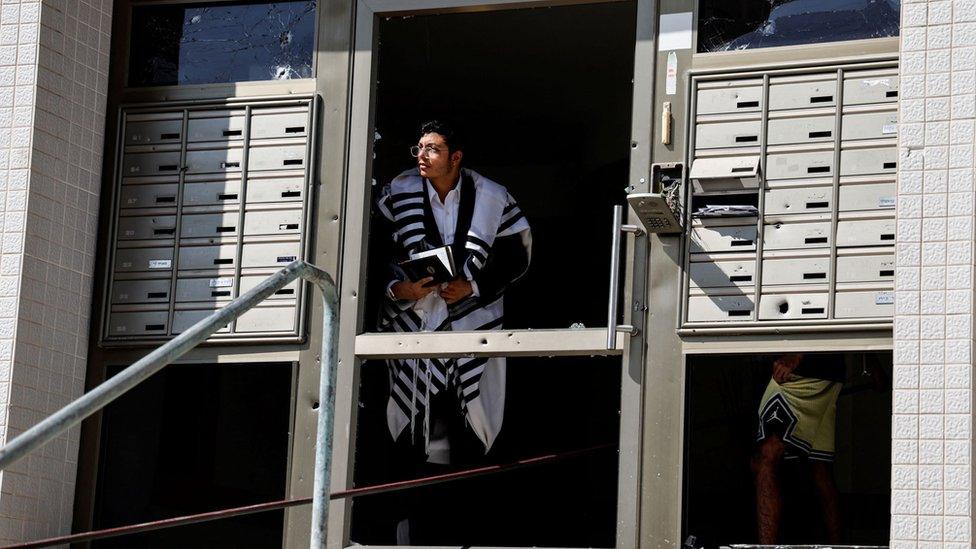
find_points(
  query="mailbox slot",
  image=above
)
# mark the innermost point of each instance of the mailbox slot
(866, 232)
(796, 270)
(720, 308)
(792, 306)
(796, 235)
(730, 98)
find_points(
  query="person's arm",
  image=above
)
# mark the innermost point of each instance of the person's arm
(507, 262)
(410, 290)
(399, 293)
(784, 366)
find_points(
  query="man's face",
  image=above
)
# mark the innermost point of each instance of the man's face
(434, 159)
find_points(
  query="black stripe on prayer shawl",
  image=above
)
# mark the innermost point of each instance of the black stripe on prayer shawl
(469, 377)
(406, 324)
(431, 233)
(465, 216)
(406, 377)
(389, 315)
(444, 366)
(414, 317)
(389, 311)
(461, 309)
(404, 405)
(473, 380)
(384, 206)
(511, 221)
(478, 254)
(399, 386)
(406, 220)
(405, 386)
(407, 320)
(401, 321)
(404, 208)
(415, 206)
(411, 234)
(511, 206)
(468, 395)
(400, 197)
(471, 365)
(438, 374)
(466, 306)
(478, 242)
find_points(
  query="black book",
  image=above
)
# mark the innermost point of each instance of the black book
(438, 263)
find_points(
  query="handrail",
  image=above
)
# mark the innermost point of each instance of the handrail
(119, 384)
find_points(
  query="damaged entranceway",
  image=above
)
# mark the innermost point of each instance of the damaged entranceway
(544, 96)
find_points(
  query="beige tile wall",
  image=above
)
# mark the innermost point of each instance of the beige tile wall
(932, 426)
(53, 80)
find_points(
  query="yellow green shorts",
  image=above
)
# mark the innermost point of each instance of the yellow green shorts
(802, 412)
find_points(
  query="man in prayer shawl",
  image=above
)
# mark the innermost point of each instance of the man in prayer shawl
(435, 404)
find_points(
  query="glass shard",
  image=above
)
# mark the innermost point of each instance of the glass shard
(750, 24)
(216, 43)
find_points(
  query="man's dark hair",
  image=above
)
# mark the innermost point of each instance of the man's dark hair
(452, 136)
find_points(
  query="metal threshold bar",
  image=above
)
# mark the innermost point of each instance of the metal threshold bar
(584, 341)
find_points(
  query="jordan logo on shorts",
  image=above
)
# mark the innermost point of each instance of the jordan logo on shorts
(776, 418)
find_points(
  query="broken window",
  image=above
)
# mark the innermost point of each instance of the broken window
(749, 24)
(227, 42)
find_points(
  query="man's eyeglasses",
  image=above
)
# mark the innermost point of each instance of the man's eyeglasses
(427, 150)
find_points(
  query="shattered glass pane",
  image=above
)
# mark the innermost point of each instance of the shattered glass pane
(226, 42)
(749, 24)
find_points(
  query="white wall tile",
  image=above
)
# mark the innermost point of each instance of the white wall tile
(904, 502)
(47, 245)
(929, 528)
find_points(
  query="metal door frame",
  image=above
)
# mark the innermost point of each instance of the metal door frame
(355, 347)
(662, 438)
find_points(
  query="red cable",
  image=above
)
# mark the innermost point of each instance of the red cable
(274, 505)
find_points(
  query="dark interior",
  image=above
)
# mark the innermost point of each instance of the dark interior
(193, 439)
(544, 96)
(722, 401)
(553, 405)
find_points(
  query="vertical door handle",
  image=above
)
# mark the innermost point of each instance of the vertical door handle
(619, 228)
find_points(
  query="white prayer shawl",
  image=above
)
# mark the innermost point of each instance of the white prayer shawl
(479, 382)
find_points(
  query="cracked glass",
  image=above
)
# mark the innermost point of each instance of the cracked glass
(226, 42)
(750, 24)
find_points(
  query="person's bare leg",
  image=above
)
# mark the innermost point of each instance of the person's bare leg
(823, 479)
(769, 502)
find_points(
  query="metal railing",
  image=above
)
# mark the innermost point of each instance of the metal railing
(119, 384)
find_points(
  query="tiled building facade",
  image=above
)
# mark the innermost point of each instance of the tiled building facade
(933, 334)
(53, 84)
